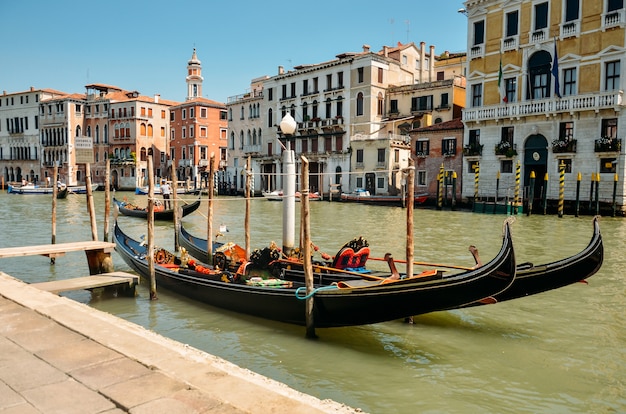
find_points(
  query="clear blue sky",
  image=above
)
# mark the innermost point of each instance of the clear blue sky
(145, 45)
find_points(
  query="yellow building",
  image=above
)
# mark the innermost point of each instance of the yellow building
(544, 90)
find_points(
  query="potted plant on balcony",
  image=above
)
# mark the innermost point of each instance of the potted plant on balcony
(505, 148)
(561, 145)
(473, 149)
(606, 144)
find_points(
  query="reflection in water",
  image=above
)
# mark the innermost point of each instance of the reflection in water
(560, 351)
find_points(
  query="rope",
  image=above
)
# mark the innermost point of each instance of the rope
(303, 288)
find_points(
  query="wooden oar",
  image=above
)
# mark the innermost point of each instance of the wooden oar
(424, 264)
(335, 270)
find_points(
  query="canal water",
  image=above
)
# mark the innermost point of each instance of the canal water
(562, 351)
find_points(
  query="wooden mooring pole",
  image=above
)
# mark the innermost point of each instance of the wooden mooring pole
(209, 229)
(90, 205)
(153, 291)
(174, 206)
(305, 223)
(409, 219)
(247, 218)
(107, 199)
(55, 190)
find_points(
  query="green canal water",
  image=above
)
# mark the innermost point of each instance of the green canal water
(562, 351)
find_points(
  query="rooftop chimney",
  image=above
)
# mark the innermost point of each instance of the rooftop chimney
(281, 70)
(366, 48)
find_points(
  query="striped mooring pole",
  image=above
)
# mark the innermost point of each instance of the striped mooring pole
(578, 180)
(561, 187)
(516, 194)
(441, 188)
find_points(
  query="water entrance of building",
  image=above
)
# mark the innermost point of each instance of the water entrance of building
(536, 160)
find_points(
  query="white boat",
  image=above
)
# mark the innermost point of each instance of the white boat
(30, 189)
(81, 189)
(277, 195)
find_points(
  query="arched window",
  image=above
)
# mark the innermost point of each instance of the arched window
(88, 130)
(232, 140)
(539, 66)
(270, 118)
(249, 140)
(339, 106)
(97, 134)
(242, 113)
(328, 108)
(359, 104)
(142, 129)
(128, 129)
(260, 141)
(78, 130)
(241, 140)
(254, 137)
(150, 131)
(106, 134)
(117, 131)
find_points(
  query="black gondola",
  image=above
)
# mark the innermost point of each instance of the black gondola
(133, 211)
(334, 306)
(529, 279)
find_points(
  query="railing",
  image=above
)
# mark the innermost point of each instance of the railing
(570, 29)
(477, 51)
(473, 150)
(608, 145)
(571, 104)
(249, 149)
(613, 19)
(562, 146)
(510, 43)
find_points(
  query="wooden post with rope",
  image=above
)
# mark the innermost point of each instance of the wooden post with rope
(153, 292)
(174, 195)
(305, 223)
(247, 218)
(209, 229)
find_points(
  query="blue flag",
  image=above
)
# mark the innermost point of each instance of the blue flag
(555, 72)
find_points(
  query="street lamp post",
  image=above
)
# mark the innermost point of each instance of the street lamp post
(288, 127)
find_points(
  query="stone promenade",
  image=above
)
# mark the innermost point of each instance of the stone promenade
(60, 356)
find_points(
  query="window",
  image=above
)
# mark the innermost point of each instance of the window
(472, 167)
(614, 5)
(380, 105)
(203, 113)
(448, 147)
(293, 90)
(506, 166)
(380, 182)
(192, 112)
(611, 82)
(172, 116)
(474, 137)
(270, 94)
(340, 79)
(329, 82)
(359, 156)
(539, 66)
(569, 81)
(479, 33)
(360, 77)
(328, 108)
(507, 135)
(316, 88)
(359, 104)
(304, 144)
(421, 177)
(510, 85)
(566, 163)
(184, 114)
(422, 148)
(608, 165)
(512, 19)
(477, 95)
(571, 10)
(381, 156)
(444, 101)
(394, 106)
(609, 128)
(359, 182)
(566, 131)
(150, 112)
(441, 75)
(314, 145)
(162, 114)
(380, 75)
(541, 16)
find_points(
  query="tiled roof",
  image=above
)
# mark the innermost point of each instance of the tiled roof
(456, 123)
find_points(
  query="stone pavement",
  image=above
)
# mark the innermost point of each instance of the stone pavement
(61, 356)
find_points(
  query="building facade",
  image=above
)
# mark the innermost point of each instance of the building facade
(545, 92)
(20, 143)
(341, 107)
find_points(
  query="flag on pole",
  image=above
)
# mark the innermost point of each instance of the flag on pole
(555, 72)
(501, 83)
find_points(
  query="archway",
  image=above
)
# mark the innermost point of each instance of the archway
(536, 160)
(115, 180)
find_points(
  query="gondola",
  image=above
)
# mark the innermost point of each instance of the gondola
(530, 279)
(128, 209)
(339, 305)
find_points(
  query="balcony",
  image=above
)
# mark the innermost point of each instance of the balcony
(570, 29)
(477, 51)
(504, 148)
(613, 19)
(608, 145)
(184, 163)
(473, 150)
(510, 43)
(252, 149)
(568, 104)
(560, 146)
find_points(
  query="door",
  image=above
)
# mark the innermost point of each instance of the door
(536, 160)
(370, 183)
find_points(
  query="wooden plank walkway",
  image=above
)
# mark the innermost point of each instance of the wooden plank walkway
(56, 250)
(105, 280)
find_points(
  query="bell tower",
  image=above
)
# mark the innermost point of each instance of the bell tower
(194, 77)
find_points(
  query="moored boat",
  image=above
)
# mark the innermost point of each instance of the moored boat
(129, 209)
(365, 302)
(31, 189)
(530, 279)
(81, 189)
(361, 195)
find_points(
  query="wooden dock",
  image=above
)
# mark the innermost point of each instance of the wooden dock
(118, 281)
(99, 261)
